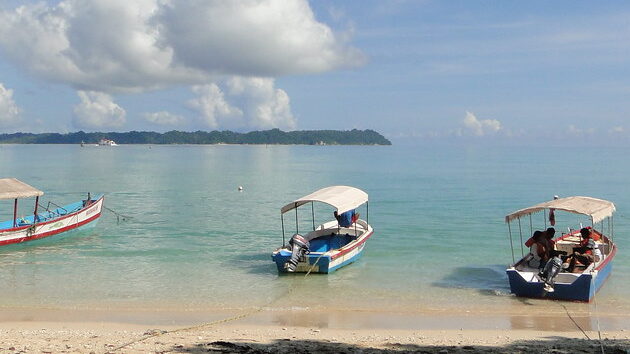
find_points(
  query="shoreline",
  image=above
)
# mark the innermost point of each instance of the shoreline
(537, 319)
(527, 327)
(236, 337)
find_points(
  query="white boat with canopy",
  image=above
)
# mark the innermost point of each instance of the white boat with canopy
(571, 267)
(332, 244)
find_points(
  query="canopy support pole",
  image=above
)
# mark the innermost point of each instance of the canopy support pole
(612, 229)
(15, 213)
(520, 231)
(531, 225)
(35, 217)
(282, 222)
(297, 228)
(511, 243)
(313, 215)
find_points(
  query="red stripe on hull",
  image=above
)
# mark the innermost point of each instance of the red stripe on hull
(609, 257)
(53, 232)
(341, 253)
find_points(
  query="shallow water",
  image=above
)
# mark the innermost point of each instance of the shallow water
(195, 241)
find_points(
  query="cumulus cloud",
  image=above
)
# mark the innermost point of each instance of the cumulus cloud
(481, 127)
(244, 103)
(97, 110)
(579, 132)
(213, 107)
(133, 46)
(616, 130)
(9, 111)
(163, 118)
(265, 106)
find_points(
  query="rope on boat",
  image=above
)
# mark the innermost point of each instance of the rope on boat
(314, 264)
(118, 215)
(30, 230)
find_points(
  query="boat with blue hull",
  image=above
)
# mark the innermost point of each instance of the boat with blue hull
(576, 264)
(332, 244)
(45, 221)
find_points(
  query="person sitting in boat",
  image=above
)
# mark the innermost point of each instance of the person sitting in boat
(586, 236)
(550, 244)
(346, 219)
(538, 250)
(591, 254)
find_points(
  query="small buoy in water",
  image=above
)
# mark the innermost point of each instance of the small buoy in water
(240, 188)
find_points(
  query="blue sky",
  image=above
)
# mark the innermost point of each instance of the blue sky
(412, 70)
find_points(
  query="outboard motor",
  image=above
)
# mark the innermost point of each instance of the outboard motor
(552, 268)
(299, 247)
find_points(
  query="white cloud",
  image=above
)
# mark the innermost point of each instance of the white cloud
(246, 103)
(9, 111)
(265, 106)
(481, 127)
(213, 107)
(133, 46)
(163, 118)
(97, 110)
(617, 130)
(579, 132)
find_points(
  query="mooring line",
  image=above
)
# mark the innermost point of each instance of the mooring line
(574, 322)
(599, 331)
(118, 215)
(212, 323)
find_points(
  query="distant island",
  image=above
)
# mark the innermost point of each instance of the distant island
(273, 136)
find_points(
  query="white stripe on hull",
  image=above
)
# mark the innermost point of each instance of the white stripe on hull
(53, 227)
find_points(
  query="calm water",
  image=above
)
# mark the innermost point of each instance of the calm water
(195, 241)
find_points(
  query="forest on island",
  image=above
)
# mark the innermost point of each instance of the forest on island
(273, 136)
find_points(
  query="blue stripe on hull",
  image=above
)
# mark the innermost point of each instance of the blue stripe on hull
(582, 289)
(282, 257)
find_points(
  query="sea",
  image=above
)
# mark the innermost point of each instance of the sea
(179, 234)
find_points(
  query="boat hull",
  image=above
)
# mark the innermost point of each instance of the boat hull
(583, 288)
(326, 262)
(77, 217)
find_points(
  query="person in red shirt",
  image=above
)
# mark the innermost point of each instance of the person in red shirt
(584, 253)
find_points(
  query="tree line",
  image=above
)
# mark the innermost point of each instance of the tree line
(273, 136)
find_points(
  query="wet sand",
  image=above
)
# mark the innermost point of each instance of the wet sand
(275, 331)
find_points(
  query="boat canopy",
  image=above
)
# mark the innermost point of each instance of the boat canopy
(343, 198)
(597, 209)
(11, 188)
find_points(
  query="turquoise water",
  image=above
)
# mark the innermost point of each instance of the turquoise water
(195, 242)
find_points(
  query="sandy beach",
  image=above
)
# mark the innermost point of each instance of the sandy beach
(294, 332)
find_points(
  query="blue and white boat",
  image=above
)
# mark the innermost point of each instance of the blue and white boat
(332, 244)
(581, 283)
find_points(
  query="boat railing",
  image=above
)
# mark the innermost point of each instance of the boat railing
(363, 223)
(53, 213)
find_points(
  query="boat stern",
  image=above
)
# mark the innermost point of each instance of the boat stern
(311, 263)
(573, 287)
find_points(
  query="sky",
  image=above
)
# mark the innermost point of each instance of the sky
(412, 70)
